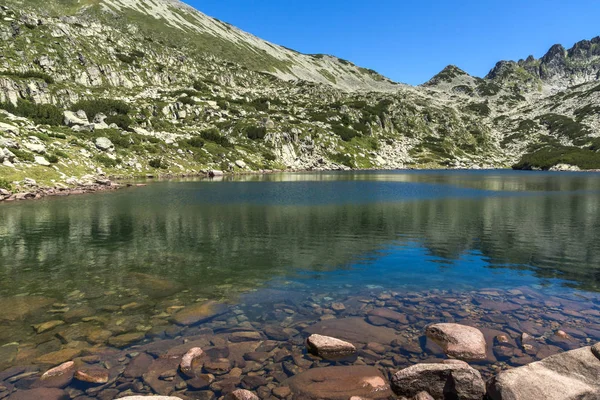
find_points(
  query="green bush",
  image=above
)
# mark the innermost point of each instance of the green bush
(126, 58)
(30, 74)
(564, 126)
(213, 135)
(186, 100)
(52, 158)
(547, 157)
(47, 114)
(61, 154)
(106, 161)
(23, 155)
(122, 121)
(255, 132)
(105, 106)
(481, 109)
(343, 159)
(158, 163)
(196, 142)
(347, 134)
(488, 89)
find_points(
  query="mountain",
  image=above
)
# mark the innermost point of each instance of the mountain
(129, 88)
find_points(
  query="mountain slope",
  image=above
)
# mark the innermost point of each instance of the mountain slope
(129, 88)
(179, 25)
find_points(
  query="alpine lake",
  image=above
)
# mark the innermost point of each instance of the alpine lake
(247, 267)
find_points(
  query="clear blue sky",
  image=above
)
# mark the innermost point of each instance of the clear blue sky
(410, 41)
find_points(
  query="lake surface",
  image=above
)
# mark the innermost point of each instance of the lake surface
(280, 249)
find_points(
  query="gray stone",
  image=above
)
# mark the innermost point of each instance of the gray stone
(72, 119)
(326, 346)
(441, 381)
(104, 144)
(572, 375)
(42, 161)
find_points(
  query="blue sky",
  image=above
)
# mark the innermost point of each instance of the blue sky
(410, 41)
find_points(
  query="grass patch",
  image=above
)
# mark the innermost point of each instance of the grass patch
(4, 184)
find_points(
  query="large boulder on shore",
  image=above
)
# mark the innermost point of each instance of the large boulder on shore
(458, 341)
(339, 383)
(567, 376)
(329, 347)
(455, 380)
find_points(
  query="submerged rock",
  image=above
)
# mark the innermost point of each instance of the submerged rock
(241, 394)
(153, 285)
(567, 376)
(354, 330)
(198, 313)
(18, 307)
(149, 398)
(327, 347)
(458, 341)
(58, 377)
(126, 339)
(186, 365)
(455, 380)
(40, 394)
(92, 375)
(340, 383)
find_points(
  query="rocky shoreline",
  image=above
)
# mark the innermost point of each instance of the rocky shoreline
(287, 345)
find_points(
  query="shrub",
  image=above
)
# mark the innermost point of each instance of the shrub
(196, 142)
(122, 121)
(158, 163)
(125, 58)
(255, 132)
(47, 114)
(186, 100)
(215, 136)
(481, 109)
(564, 126)
(52, 158)
(547, 157)
(345, 133)
(488, 89)
(106, 161)
(30, 74)
(23, 155)
(343, 159)
(105, 106)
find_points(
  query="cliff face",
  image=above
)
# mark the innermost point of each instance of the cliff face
(154, 86)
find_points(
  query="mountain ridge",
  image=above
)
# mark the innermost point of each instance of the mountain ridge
(78, 75)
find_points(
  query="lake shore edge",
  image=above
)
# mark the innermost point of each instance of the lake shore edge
(101, 183)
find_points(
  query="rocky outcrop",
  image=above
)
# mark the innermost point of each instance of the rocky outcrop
(572, 375)
(455, 380)
(458, 341)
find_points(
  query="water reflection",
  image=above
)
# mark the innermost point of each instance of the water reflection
(219, 239)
